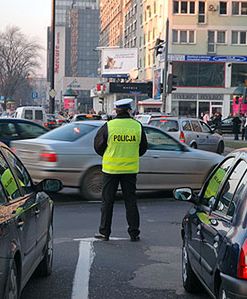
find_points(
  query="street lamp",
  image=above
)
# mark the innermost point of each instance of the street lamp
(52, 91)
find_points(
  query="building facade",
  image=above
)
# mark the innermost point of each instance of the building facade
(76, 37)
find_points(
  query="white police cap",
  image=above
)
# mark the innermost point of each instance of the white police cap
(123, 104)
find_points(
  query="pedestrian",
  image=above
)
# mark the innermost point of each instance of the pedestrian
(236, 126)
(120, 141)
(217, 122)
(242, 127)
(206, 117)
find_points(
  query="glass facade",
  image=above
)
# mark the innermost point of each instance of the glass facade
(239, 74)
(199, 74)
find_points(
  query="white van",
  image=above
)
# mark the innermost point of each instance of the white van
(34, 113)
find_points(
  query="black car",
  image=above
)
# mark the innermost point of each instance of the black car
(226, 125)
(17, 129)
(214, 231)
(26, 229)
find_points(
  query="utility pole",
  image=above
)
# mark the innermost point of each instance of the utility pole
(165, 70)
(52, 92)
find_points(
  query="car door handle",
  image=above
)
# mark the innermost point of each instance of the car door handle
(20, 223)
(155, 157)
(198, 229)
(216, 241)
(37, 212)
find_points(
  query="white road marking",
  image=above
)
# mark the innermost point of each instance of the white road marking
(82, 272)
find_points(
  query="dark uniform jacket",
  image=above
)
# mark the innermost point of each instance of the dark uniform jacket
(100, 141)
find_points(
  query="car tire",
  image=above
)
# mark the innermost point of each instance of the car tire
(220, 148)
(45, 266)
(222, 293)
(12, 287)
(91, 186)
(193, 145)
(190, 281)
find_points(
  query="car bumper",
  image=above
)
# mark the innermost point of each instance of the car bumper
(235, 288)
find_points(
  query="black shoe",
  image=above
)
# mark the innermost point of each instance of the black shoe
(135, 239)
(101, 237)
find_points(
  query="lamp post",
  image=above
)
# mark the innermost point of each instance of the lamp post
(52, 91)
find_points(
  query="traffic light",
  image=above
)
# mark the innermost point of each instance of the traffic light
(159, 46)
(171, 83)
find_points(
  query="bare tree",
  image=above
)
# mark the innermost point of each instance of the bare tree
(19, 58)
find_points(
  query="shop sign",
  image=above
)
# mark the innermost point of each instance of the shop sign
(207, 58)
(211, 97)
(184, 96)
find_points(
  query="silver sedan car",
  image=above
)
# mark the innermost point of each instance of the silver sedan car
(67, 153)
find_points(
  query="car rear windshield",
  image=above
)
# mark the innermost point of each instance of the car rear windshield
(70, 132)
(168, 125)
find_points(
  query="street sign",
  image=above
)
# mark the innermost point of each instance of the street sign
(34, 95)
(52, 93)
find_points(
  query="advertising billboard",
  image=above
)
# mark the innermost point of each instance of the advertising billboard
(118, 62)
(156, 84)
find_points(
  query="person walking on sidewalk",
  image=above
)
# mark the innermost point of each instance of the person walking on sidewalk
(121, 142)
(236, 126)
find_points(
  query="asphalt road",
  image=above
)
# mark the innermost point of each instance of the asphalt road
(118, 269)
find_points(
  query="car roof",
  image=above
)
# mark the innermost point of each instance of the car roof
(18, 120)
(175, 118)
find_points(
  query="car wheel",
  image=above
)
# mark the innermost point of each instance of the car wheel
(91, 186)
(12, 290)
(220, 148)
(190, 281)
(193, 145)
(222, 293)
(45, 266)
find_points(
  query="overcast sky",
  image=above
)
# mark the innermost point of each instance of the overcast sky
(31, 16)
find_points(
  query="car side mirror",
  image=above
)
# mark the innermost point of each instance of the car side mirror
(184, 194)
(50, 185)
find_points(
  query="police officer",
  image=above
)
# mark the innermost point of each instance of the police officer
(120, 141)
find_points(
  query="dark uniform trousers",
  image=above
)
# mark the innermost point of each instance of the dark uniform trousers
(110, 187)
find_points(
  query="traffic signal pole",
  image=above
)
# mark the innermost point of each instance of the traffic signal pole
(165, 70)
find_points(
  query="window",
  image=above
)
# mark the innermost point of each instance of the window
(30, 130)
(24, 179)
(226, 205)
(201, 12)
(199, 74)
(216, 36)
(238, 73)
(196, 126)
(8, 180)
(70, 132)
(223, 8)
(7, 130)
(183, 7)
(239, 38)
(239, 8)
(211, 188)
(205, 127)
(183, 36)
(186, 126)
(160, 141)
(221, 37)
(167, 125)
(28, 114)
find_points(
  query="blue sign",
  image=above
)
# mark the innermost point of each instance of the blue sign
(215, 58)
(35, 95)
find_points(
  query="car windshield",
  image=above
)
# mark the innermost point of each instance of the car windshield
(167, 125)
(70, 132)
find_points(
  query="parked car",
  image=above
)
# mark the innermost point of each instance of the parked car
(84, 116)
(25, 224)
(67, 153)
(214, 231)
(34, 113)
(16, 129)
(226, 125)
(192, 131)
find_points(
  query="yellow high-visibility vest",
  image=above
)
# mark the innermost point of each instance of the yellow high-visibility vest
(122, 152)
(9, 182)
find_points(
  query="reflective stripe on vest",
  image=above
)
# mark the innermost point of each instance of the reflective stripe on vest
(122, 152)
